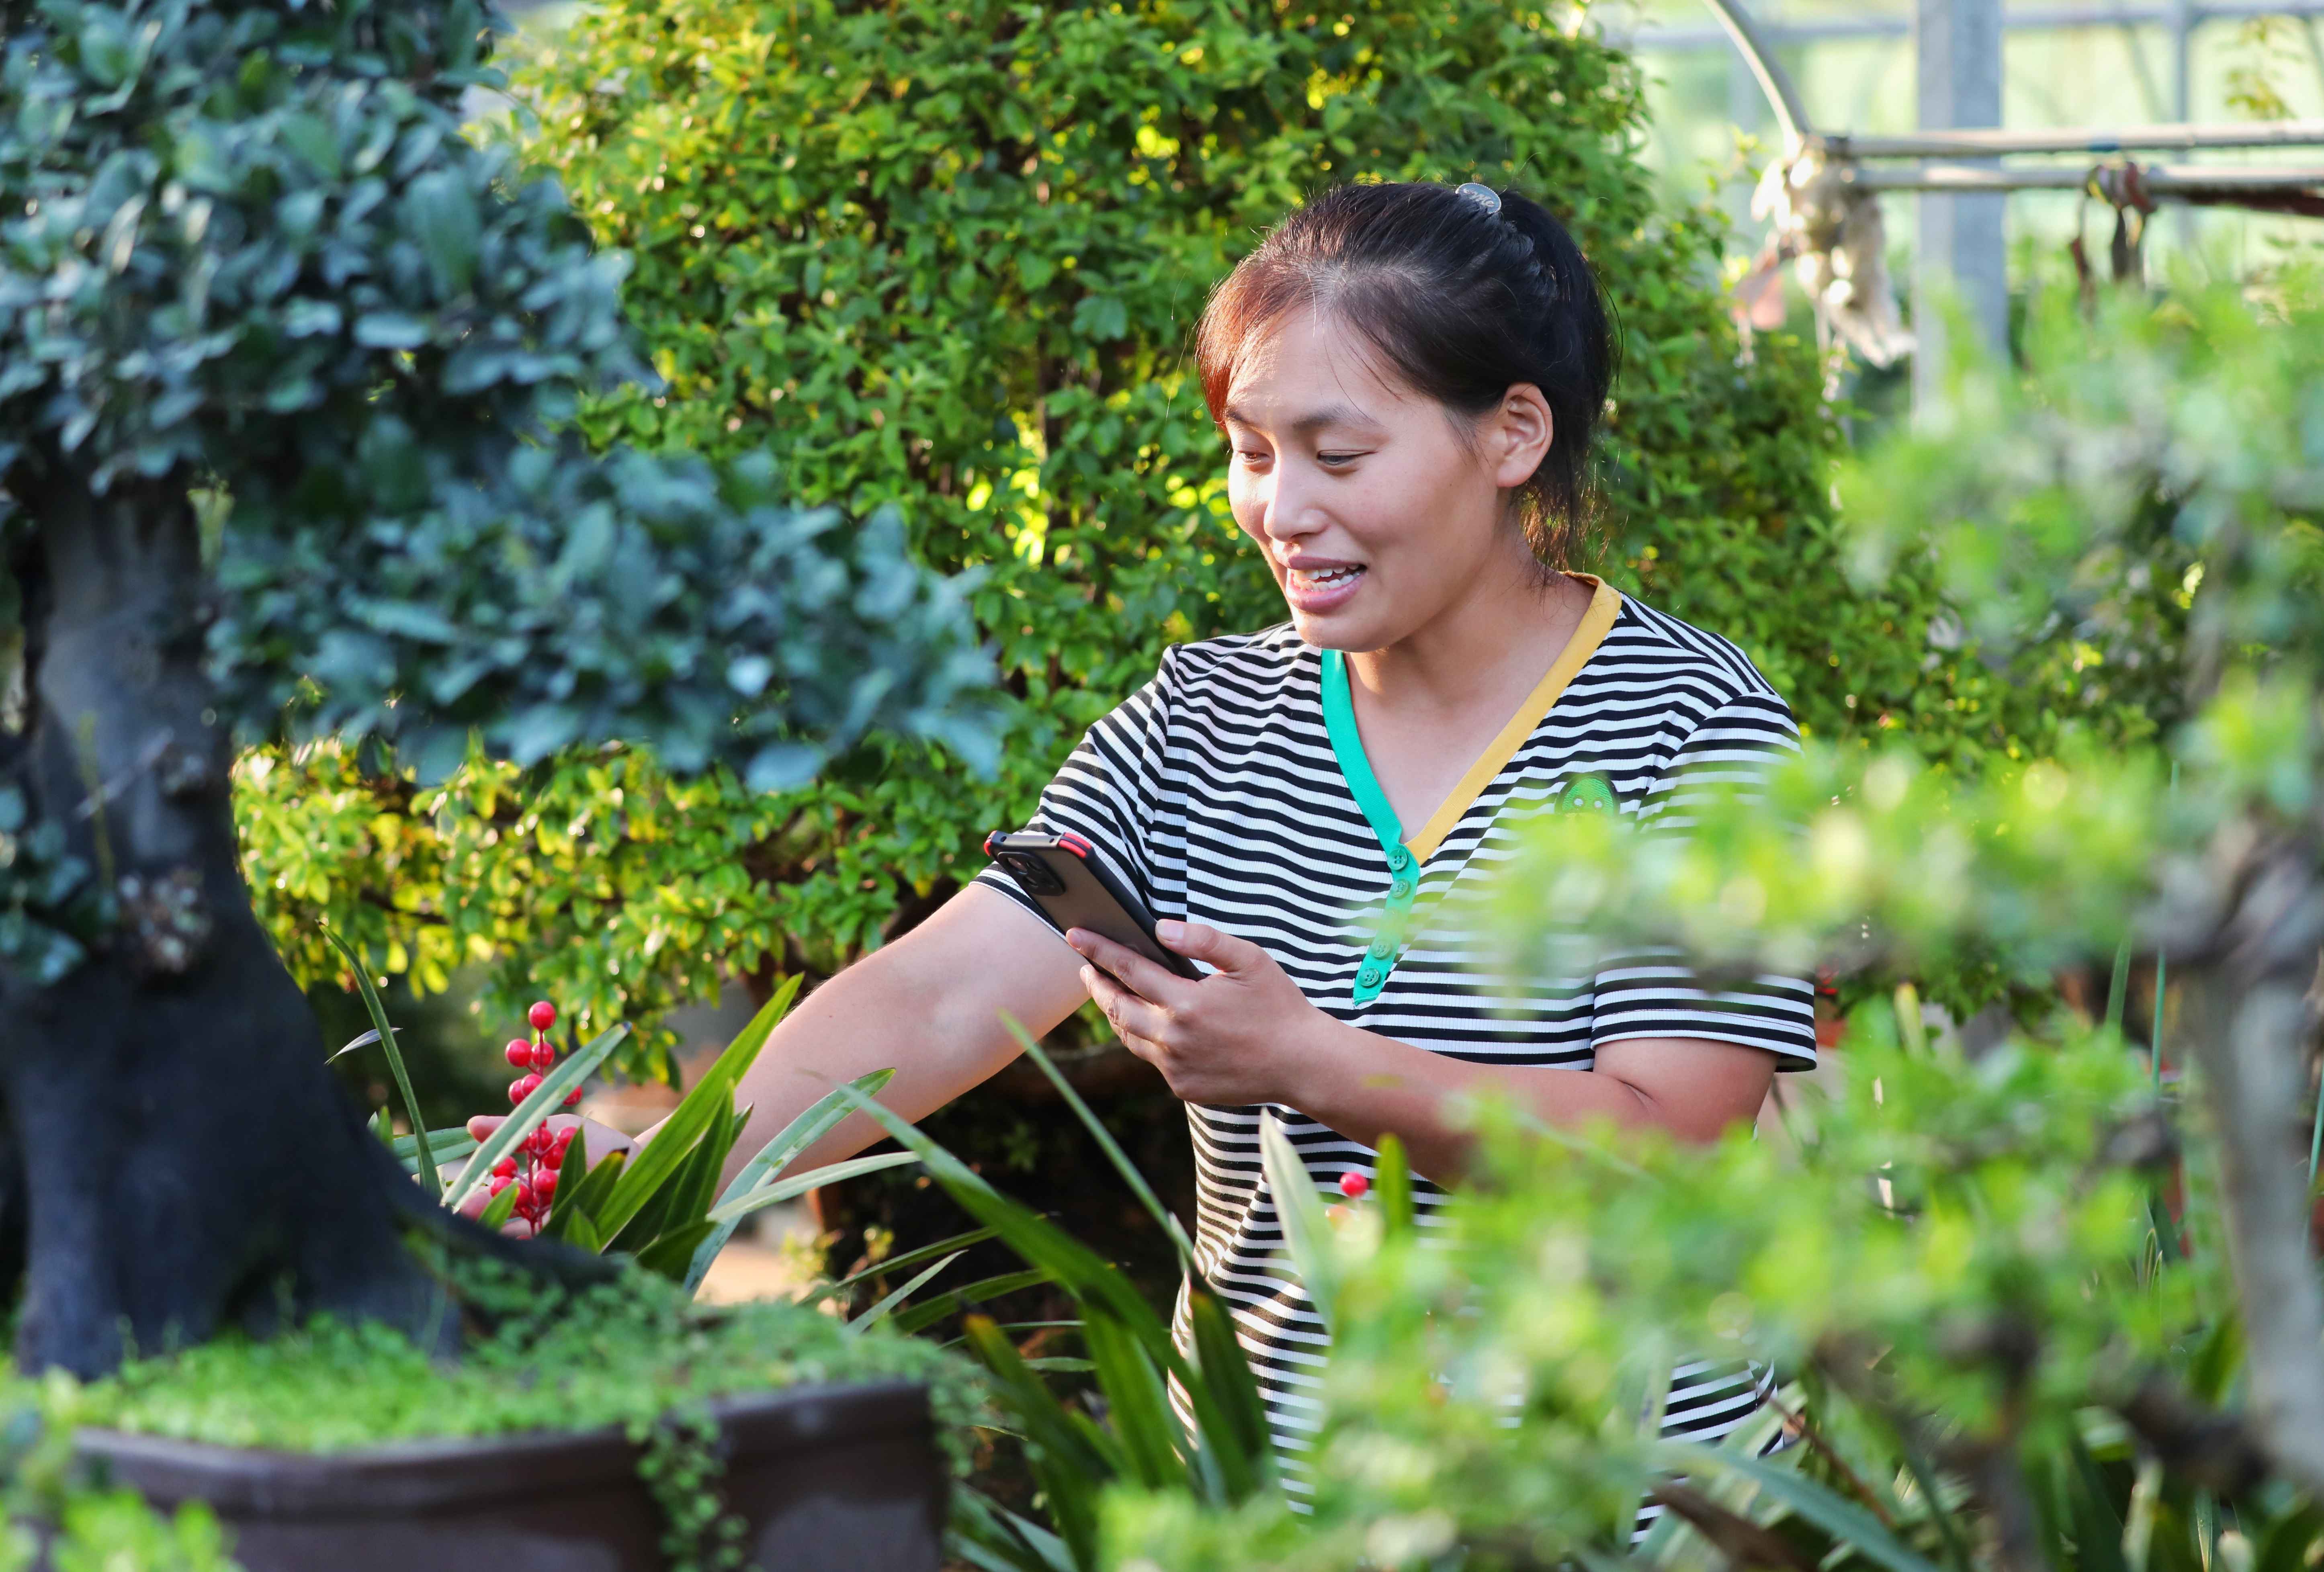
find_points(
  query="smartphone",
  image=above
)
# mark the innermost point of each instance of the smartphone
(1073, 889)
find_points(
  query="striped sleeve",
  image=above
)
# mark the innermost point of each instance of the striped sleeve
(1109, 791)
(1653, 993)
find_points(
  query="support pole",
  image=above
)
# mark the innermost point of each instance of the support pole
(1960, 249)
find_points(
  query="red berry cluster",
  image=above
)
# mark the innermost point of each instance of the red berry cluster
(533, 1170)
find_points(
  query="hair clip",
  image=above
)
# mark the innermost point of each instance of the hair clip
(1486, 199)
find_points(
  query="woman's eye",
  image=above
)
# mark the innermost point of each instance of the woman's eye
(1337, 458)
(1251, 454)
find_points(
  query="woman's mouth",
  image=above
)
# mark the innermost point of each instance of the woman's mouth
(1324, 587)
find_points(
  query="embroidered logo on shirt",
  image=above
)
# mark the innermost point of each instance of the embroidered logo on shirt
(1587, 794)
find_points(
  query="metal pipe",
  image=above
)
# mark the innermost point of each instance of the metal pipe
(2159, 180)
(1791, 112)
(2057, 18)
(2078, 140)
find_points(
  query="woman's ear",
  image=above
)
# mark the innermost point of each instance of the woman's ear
(1519, 434)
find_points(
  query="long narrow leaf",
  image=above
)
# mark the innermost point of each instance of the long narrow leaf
(990, 1538)
(879, 1312)
(798, 1184)
(427, 1173)
(576, 1162)
(1136, 1404)
(1080, 1271)
(959, 1298)
(586, 1197)
(534, 1111)
(667, 1208)
(499, 1208)
(1073, 1462)
(776, 1156)
(1393, 1185)
(700, 1111)
(895, 1264)
(1229, 1413)
(1829, 1510)
(1106, 1144)
(1307, 1232)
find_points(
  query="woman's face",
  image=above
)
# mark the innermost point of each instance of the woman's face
(1377, 517)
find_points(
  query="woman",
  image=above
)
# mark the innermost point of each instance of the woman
(1408, 376)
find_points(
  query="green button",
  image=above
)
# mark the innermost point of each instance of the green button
(1398, 859)
(1383, 948)
(1371, 977)
(1400, 889)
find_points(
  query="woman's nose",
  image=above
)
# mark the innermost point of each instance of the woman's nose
(1287, 513)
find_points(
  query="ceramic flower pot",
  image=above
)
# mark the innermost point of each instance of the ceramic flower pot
(826, 1479)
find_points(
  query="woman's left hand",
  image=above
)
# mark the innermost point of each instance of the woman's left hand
(1229, 1039)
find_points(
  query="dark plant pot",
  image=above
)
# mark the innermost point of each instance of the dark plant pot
(827, 1478)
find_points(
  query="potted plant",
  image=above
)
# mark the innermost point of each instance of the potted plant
(616, 1424)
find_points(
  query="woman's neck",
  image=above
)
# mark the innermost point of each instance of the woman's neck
(1485, 653)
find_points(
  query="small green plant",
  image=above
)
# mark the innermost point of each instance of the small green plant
(48, 1502)
(634, 1353)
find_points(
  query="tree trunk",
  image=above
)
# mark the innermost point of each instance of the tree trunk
(185, 1160)
(2248, 1017)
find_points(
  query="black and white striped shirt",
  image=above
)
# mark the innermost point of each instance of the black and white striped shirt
(1216, 793)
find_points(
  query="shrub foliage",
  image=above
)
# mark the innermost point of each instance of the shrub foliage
(945, 254)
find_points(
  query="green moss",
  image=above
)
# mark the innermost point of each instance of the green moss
(628, 1353)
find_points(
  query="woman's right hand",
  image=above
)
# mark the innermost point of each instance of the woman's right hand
(599, 1138)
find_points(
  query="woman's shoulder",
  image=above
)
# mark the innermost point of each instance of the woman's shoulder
(1649, 647)
(1254, 668)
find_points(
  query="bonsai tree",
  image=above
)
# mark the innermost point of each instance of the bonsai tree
(284, 365)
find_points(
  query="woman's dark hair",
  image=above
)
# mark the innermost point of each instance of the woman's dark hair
(1462, 303)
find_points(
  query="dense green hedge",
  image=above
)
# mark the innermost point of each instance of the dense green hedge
(945, 254)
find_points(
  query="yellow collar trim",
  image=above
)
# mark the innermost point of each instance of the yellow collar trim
(1605, 605)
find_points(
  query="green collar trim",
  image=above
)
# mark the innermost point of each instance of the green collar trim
(1404, 874)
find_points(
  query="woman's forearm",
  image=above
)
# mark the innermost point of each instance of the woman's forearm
(1364, 1086)
(928, 1007)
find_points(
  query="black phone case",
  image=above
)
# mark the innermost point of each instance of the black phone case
(1088, 896)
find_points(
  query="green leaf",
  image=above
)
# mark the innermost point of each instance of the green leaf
(1827, 1510)
(576, 1162)
(1084, 1274)
(1073, 1462)
(954, 1301)
(1136, 1404)
(588, 1195)
(798, 1184)
(528, 1116)
(1306, 1231)
(1114, 1155)
(427, 1159)
(1393, 1188)
(895, 1264)
(1230, 1415)
(702, 1111)
(879, 1311)
(992, 1539)
(668, 1255)
(499, 1208)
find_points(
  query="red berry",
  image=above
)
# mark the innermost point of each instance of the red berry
(499, 1182)
(543, 1015)
(539, 1141)
(542, 1056)
(505, 1167)
(1353, 1184)
(572, 1096)
(519, 1053)
(524, 1196)
(521, 1088)
(553, 1158)
(544, 1184)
